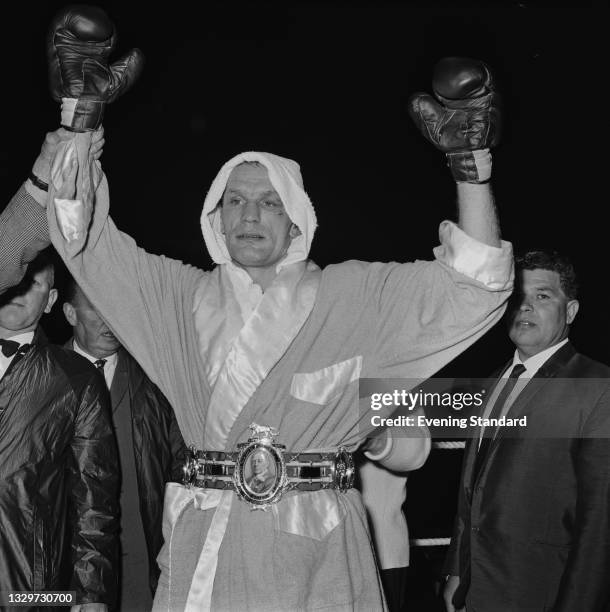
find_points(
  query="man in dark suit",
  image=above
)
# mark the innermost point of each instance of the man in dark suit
(151, 448)
(533, 525)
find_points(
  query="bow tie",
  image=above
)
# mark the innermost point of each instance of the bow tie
(10, 347)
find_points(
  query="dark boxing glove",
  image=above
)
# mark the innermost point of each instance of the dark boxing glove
(463, 118)
(80, 39)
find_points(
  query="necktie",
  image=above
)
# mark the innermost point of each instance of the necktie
(495, 413)
(99, 364)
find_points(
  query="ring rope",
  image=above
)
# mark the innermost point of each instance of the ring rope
(430, 542)
(448, 445)
(442, 445)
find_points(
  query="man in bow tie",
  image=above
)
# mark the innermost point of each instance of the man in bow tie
(58, 465)
(22, 307)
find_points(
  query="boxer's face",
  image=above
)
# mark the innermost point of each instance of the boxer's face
(257, 228)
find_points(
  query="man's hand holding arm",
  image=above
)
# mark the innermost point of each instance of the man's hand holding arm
(24, 229)
(37, 184)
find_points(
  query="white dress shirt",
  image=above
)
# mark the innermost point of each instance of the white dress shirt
(109, 366)
(25, 338)
(532, 365)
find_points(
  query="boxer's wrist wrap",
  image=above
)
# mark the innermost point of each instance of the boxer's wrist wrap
(470, 166)
(81, 115)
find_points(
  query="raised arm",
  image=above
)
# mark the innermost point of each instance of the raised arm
(146, 299)
(477, 213)
(463, 120)
(429, 314)
(23, 234)
(24, 230)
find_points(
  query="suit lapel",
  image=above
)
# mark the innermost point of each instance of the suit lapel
(120, 380)
(472, 445)
(549, 369)
(524, 401)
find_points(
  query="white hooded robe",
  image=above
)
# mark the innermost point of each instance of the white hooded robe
(290, 359)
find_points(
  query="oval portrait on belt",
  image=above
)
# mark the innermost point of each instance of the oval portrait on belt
(260, 472)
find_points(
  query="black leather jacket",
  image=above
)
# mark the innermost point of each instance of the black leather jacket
(159, 451)
(58, 476)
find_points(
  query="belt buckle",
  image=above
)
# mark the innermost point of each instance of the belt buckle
(190, 469)
(260, 469)
(343, 470)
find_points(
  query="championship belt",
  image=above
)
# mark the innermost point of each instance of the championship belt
(261, 471)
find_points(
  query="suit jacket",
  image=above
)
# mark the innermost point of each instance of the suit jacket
(533, 528)
(158, 446)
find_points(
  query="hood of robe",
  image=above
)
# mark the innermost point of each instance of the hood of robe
(285, 176)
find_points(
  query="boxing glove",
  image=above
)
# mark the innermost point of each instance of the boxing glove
(80, 40)
(463, 118)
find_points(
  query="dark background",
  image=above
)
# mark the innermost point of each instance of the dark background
(326, 83)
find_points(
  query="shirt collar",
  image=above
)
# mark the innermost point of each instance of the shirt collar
(535, 362)
(24, 338)
(110, 360)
